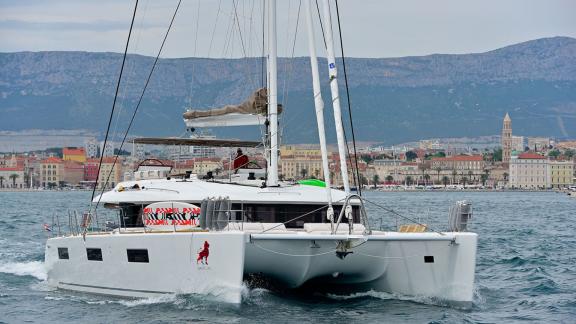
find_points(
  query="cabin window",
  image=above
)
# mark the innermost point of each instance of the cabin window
(428, 259)
(63, 253)
(137, 255)
(94, 254)
(291, 214)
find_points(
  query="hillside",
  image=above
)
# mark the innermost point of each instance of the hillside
(393, 99)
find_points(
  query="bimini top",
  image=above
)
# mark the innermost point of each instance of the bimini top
(195, 190)
(253, 111)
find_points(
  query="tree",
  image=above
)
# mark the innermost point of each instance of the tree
(454, 174)
(554, 154)
(375, 180)
(569, 153)
(411, 155)
(424, 167)
(408, 180)
(464, 181)
(389, 179)
(497, 155)
(426, 178)
(303, 173)
(484, 178)
(471, 175)
(505, 175)
(445, 180)
(2, 181)
(13, 177)
(438, 170)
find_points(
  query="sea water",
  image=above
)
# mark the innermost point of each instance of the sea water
(526, 269)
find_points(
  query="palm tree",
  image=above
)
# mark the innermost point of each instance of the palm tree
(470, 175)
(408, 180)
(303, 173)
(505, 175)
(426, 178)
(438, 170)
(389, 179)
(2, 181)
(13, 177)
(454, 174)
(445, 180)
(484, 178)
(464, 181)
(375, 180)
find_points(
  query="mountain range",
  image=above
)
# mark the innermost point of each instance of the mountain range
(393, 99)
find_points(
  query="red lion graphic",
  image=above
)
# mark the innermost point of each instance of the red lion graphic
(203, 254)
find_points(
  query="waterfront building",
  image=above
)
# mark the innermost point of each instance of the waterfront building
(52, 172)
(77, 154)
(506, 139)
(529, 170)
(73, 173)
(91, 172)
(300, 162)
(561, 173)
(12, 177)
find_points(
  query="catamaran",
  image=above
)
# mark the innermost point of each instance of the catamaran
(195, 234)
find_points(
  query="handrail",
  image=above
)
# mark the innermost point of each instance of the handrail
(363, 216)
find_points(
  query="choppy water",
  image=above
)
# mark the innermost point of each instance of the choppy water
(526, 270)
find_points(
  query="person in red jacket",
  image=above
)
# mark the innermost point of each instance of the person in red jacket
(240, 161)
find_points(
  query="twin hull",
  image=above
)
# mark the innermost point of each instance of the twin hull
(418, 264)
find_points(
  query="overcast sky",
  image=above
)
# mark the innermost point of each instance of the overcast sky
(207, 28)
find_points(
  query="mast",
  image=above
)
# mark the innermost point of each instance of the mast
(318, 102)
(335, 97)
(272, 178)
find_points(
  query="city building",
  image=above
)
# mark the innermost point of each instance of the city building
(561, 173)
(538, 144)
(518, 143)
(12, 177)
(529, 170)
(108, 150)
(91, 148)
(506, 139)
(52, 172)
(77, 154)
(110, 172)
(73, 174)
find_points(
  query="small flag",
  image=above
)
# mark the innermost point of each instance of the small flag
(47, 228)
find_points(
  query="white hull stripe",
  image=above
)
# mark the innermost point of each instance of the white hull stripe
(119, 289)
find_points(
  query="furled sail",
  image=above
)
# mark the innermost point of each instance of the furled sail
(253, 111)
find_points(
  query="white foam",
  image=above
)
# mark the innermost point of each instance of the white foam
(35, 269)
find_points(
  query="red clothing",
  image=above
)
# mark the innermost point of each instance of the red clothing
(240, 161)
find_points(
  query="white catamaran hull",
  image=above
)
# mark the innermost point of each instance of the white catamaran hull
(417, 264)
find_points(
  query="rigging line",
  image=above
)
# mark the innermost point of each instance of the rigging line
(321, 25)
(400, 215)
(214, 29)
(239, 28)
(359, 188)
(246, 63)
(263, 62)
(115, 98)
(131, 67)
(289, 71)
(139, 102)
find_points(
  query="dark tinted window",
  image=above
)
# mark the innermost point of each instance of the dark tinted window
(428, 259)
(63, 253)
(94, 254)
(291, 214)
(137, 255)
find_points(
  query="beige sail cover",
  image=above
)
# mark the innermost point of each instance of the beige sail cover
(257, 103)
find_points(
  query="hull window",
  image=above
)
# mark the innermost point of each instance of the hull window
(63, 253)
(94, 254)
(428, 259)
(137, 255)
